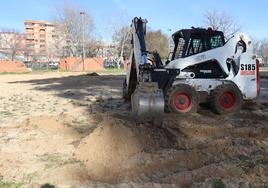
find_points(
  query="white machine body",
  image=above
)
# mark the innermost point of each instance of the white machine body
(245, 78)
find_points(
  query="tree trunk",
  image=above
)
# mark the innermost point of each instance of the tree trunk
(121, 59)
(12, 56)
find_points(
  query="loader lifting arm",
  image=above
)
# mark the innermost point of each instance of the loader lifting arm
(146, 82)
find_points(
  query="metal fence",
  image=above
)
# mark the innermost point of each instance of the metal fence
(40, 66)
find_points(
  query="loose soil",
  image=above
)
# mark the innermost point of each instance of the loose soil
(74, 130)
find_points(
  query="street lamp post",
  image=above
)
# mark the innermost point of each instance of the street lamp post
(83, 38)
(169, 39)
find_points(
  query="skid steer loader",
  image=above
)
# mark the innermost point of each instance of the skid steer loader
(204, 67)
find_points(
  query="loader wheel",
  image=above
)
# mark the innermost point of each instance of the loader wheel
(181, 98)
(226, 98)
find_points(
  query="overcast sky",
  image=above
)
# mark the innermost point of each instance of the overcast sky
(161, 14)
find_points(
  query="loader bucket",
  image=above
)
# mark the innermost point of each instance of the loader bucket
(147, 102)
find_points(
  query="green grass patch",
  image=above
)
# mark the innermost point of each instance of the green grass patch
(5, 113)
(30, 72)
(218, 184)
(42, 71)
(104, 71)
(29, 177)
(82, 164)
(10, 184)
(6, 73)
(112, 70)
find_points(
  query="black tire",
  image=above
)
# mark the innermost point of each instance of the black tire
(226, 98)
(181, 98)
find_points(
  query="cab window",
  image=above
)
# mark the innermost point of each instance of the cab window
(196, 45)
(180, 48)
(216, 41)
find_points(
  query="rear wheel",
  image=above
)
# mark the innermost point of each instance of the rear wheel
(181, 98)
(226, 98)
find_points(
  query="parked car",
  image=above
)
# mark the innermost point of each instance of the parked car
(53, 65)
(109, 64)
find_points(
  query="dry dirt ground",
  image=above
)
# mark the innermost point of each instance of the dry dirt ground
(73, 130)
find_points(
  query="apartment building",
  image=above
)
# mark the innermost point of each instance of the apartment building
(39, 38)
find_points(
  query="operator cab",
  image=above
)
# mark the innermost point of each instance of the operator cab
(196, 40)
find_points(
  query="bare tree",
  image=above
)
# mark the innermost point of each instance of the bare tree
(92, 47)
(71, 26)
(10, 42)
(54, 43)
(159, 41)
(261, 49)
(221, 21)
(154, 40)
(51, 52)
(121, 39)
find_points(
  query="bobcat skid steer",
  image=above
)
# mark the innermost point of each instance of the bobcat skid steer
(213, 70)
(204, 67)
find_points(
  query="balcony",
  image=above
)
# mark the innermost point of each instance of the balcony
(30, 37)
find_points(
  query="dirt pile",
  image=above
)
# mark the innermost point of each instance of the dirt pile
(13, 66)
(106, 150)
(52, 125)
(79, 133)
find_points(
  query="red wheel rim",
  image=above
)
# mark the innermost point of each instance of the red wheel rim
(182, 102)
(227, 100)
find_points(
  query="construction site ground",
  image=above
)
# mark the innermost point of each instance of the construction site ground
(75, 130)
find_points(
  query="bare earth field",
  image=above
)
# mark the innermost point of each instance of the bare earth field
(74, 130)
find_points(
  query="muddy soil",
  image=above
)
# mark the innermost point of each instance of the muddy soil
(73, 130)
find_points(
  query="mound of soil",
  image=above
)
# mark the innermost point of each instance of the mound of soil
(13, 66)
(107, 149)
